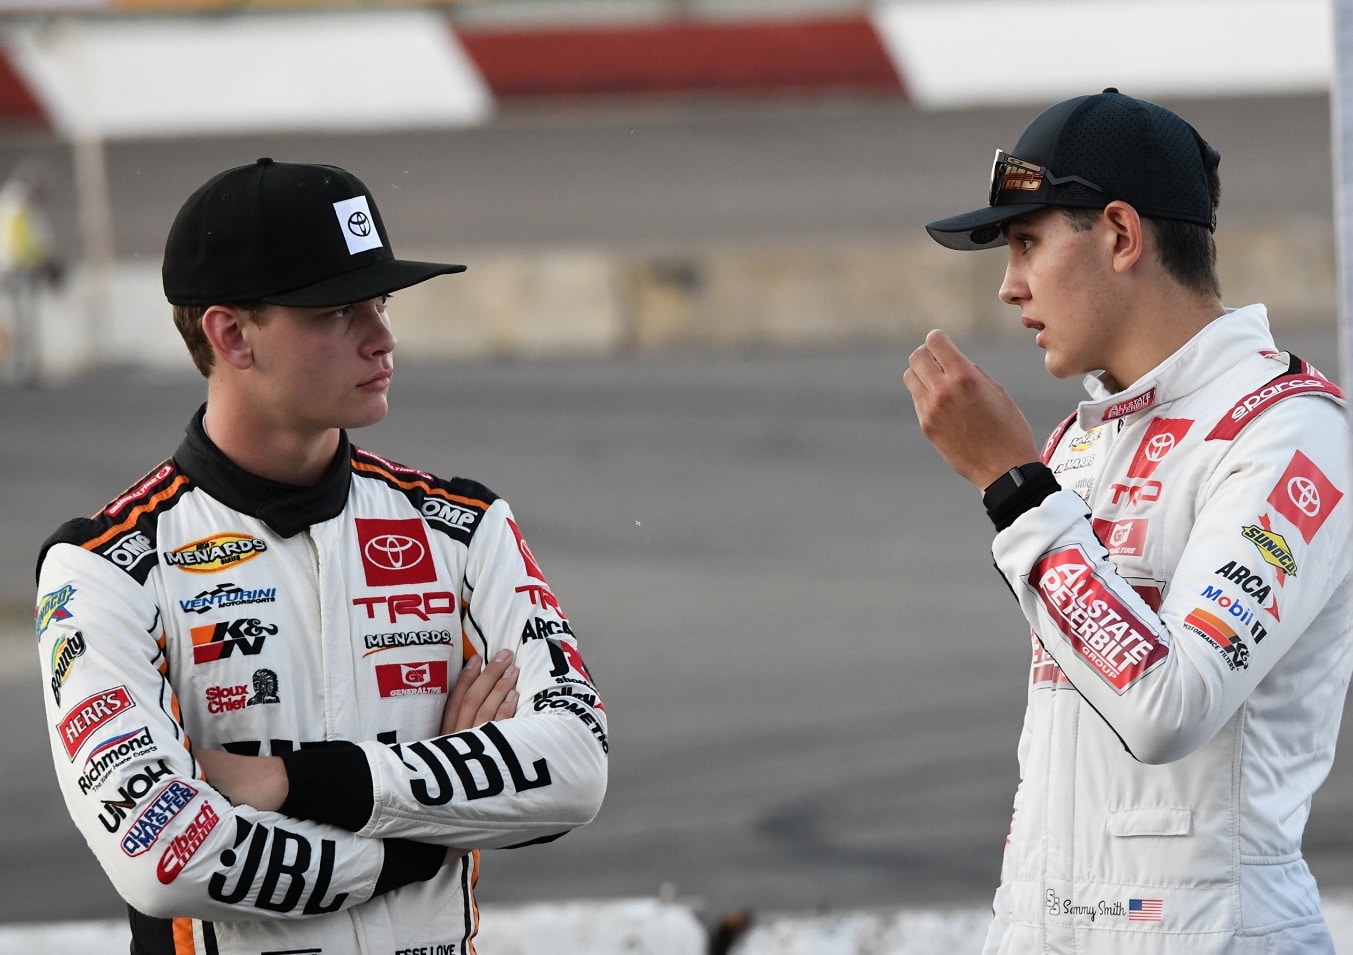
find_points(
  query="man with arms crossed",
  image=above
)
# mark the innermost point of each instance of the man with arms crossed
(276, 615)
(1180, 549)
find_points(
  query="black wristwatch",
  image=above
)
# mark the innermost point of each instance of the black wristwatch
(1018, 490)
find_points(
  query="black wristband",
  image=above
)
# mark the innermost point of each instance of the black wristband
(407, 861)
(329, 783)
(1018, 490)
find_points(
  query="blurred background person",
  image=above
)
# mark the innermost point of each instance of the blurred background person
(28, 264)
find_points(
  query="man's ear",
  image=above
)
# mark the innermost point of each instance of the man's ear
(1123, 234)
(224, 327)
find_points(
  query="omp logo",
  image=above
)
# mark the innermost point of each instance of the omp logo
(52, 607)
(447, 513)
(215, 553)
(129, 550)
(1273, 547)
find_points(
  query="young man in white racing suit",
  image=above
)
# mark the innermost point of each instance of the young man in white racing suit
(1180, 549)
(365, 657)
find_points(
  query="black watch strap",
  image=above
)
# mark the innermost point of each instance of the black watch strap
(1018, 490)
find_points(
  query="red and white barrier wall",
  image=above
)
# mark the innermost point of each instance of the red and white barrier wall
(137, 75)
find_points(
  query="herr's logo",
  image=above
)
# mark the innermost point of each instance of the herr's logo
(395, 552)
(215, 553)
(91, 713)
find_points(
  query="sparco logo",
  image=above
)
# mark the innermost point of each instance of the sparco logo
(211, 554)
(394, 551)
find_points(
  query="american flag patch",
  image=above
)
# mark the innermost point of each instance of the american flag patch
(1145, 910)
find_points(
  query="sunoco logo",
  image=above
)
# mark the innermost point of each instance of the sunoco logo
(1272, 547)
(215, 553)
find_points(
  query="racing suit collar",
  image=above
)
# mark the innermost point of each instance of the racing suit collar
(1192, 367)
(286, 508)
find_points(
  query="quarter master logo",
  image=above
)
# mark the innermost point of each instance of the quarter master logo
(215, 553)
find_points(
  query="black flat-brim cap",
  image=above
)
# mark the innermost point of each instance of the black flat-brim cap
(1129, 149)
(295, 234)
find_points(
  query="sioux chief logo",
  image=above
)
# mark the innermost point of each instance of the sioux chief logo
(1273, 547)
(1098, 624)
(215, 553)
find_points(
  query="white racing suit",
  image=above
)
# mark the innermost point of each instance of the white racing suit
(206, 607)
(1189, 594)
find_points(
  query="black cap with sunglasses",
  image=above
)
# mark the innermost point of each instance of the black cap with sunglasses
(1087, 152)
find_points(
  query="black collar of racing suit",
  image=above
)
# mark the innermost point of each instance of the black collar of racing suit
(287, 508)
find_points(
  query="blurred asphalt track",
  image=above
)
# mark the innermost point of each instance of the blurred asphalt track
(815, 677)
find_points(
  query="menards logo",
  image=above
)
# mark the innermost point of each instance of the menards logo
(211, 554)
(1272, 547)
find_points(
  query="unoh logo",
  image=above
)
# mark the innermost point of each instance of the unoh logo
(215, 553)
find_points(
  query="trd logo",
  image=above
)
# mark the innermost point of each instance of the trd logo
(1136, 494)
(219, 640)
(422, 606)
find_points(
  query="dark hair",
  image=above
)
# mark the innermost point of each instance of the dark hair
(1188, 251)
(188, 320)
